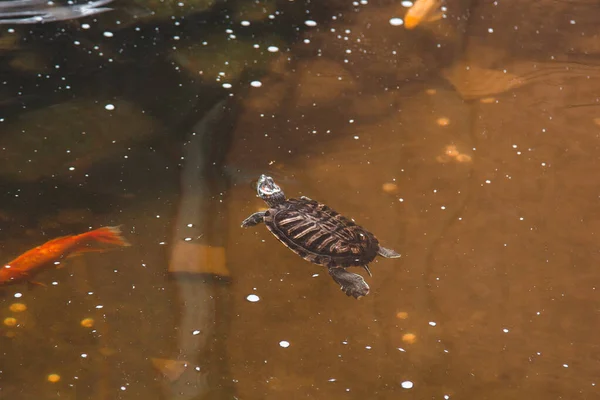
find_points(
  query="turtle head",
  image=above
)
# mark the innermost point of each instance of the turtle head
(268, 190)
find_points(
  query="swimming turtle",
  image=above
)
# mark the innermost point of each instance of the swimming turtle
(320, 235)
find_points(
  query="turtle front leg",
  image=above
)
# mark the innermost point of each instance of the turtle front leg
(387, 253)
(254, 219)
(352, 284)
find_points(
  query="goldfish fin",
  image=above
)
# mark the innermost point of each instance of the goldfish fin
(82, 250)
(78, 252)
(107, 234)
(435, 16)
(422, 11)
(36, 283)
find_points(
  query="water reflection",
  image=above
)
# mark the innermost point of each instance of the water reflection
(466, 142)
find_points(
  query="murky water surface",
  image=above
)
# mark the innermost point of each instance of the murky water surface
(464, 135)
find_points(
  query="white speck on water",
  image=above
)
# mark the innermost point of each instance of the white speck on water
(123, 388)
(196, 332)
(245, 23)
(85, 26)
(443, 207)
(521, 218)
(315, 275)
(407, 4)
(396, 22)
(83, 355)
(491, 30)
(54, 283)
(99, 306)
(310, 22)
(351, 121)
(227, 85)
(108, 34)
(566, 365)
(332, 380)
(71, 168)
(356, 138)
(401, 200)
(18, 295)
(446, 397)
(109, 107)
(368, 347)
(252, 298)
(488, 181)
(401, 349)
(188, 239)
(284, 344)
(161, 243)
(407, 384)
(273, 49)
(432, 323)
(256, 83)
(505, 330)
(572, 22)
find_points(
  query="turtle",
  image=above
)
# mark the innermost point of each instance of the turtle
(319, 235)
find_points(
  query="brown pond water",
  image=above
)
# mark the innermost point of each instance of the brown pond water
(469, 144)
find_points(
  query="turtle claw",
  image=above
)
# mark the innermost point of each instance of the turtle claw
(366, 267)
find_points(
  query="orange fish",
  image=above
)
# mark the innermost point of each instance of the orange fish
(24, 267)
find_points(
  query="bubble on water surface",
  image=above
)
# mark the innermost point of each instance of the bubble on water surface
(407, 384)
(109, 107)
(396, 22)
(284, 344)
(252, 298)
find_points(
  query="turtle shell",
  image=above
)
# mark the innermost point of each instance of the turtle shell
(320, 235)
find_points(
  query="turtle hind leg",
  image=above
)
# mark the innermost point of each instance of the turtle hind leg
(254, 219)
(352, 284)
(387, 253)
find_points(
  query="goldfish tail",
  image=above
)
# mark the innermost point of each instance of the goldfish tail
(107, 234)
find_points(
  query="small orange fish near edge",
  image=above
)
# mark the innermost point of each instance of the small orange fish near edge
(33, 261)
